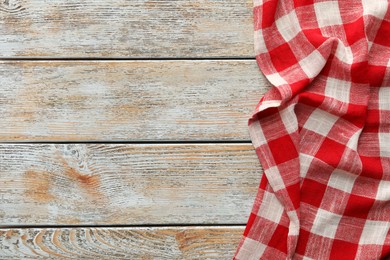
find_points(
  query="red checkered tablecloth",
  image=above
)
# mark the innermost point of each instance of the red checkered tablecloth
(322, 132)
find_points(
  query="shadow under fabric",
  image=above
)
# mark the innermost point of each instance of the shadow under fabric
(322, 132)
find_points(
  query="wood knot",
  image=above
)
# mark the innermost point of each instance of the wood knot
(10, 6)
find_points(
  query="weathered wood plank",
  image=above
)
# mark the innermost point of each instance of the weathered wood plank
(121, 243)
(122, 28)
(96, 184)
(128, 100)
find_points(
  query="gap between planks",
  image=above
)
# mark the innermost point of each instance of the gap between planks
(175, 225)
(156, 142)
(49, 58)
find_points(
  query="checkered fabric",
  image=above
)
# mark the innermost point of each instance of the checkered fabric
(322, 132)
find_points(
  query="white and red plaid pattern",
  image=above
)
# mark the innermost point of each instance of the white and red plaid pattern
(322, 132)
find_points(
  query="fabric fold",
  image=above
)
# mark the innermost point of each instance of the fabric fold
(322, 131)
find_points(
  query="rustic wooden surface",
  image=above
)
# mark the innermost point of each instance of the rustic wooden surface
(123, 28)
(121, 243)
(95, 184)
(128, 100)
(123, 131)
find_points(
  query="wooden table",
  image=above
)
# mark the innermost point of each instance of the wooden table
(124, 128)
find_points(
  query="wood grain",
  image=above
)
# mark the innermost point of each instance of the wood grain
(121, 243)
(128, 100)
(122, 28)
(127, 184)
